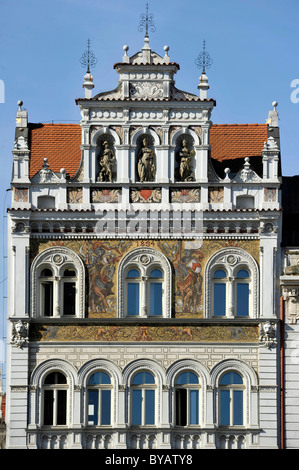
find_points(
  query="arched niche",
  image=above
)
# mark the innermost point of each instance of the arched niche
(184, 158)
(145, 158)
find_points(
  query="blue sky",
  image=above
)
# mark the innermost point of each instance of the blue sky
(254, 46)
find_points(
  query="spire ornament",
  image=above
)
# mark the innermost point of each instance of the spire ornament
(88, 58)
(204, 60)
(147, 22)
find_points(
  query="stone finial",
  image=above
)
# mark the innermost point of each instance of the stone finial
(273, 115)
(22, 116)
(126, 58)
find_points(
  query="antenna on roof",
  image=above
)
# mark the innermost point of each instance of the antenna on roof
(204, 60)
(88, 58)
(147, 22)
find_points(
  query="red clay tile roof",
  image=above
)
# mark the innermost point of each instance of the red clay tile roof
(230, 141)
(59, 143)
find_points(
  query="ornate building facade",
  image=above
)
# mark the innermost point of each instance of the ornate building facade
(144, 261)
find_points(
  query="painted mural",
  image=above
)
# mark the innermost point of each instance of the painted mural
(137, 333)
(187, 257)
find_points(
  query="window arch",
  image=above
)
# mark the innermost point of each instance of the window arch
(231, 397)
(55, 389)
(99, 399)
(231, 284)
(144, 281)
(235, 385)
(57, 283)
(187, 399)
(143, 397)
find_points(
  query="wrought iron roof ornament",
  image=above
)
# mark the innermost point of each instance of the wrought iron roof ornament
(147, 22)
(88, 58)
(204, 60)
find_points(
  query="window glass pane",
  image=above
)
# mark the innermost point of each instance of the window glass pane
(55, 378)
(133, 273)
(220, 273)
(106, 407)
(48, 407)
(143, 377)
(47, 298)
(243, 274)
(193, 405)
(242, 299)
(93, 407)
(182, 379)
(156, 298)
(231, 378)
(46, 272)
(61, 407)
(156, 273)
(69, 298)
(238, 407)
(69, 272)
(99, 378)
(150, 407)
(187, 377)
(136, 407)
(219, 299)
(224, 407)
(181, 407)
(133, 299)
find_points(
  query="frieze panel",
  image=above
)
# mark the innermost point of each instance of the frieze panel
(216, 195)
(139, 333)
(104, 195)
(146, 195)
(185, 195)
(21, 194)
(74, 195)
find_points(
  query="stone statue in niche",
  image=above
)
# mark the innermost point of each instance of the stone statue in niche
(146, 162)
(184, 156)
(107, 162)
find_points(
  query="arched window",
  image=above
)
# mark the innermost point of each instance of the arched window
(187, 399)
(231, 285)
(55, 399)
(133, 292)
(46, 281)
(219, 292)
(99, 399)
(143, 399)
(155, 294)
(144, 284)
(57, 284)
(242, 293)
(231, 398)
(69, 281)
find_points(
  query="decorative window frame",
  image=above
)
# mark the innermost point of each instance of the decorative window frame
(159, 374)
(116, 379)
(145, 259)
(204, 381)
(57, 259)
(36, 389)
(250, 381)
(232, 260)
